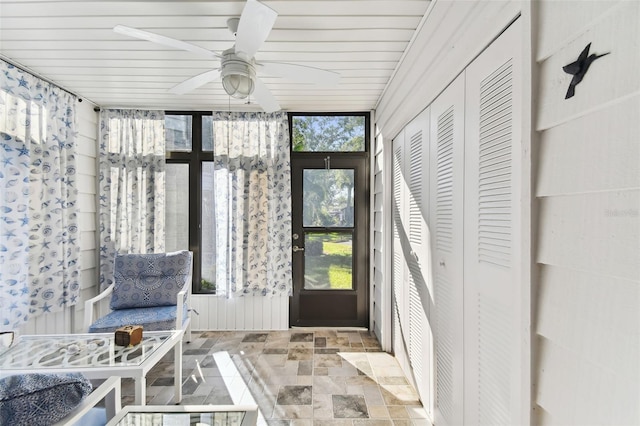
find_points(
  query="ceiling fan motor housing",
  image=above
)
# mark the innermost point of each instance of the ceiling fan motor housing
(238, 74)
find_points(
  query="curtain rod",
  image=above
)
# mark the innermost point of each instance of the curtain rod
(40, 76)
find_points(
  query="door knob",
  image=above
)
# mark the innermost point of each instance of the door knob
(297, 249)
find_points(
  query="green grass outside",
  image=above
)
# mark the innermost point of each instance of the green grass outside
(340, 277)
(333, 267)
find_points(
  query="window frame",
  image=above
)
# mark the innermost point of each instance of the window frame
(361, 257)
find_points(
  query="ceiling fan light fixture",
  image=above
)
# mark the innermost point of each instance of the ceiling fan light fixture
(238, 76)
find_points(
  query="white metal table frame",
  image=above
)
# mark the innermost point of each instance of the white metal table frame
(94, 356)
(250, 417)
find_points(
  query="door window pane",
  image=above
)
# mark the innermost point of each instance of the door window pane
(208, 231)
(328, 133)
(178, 132)
(328, 261)
(327, 198)
(176, 207)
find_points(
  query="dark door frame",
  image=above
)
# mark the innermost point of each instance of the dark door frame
(332, 300)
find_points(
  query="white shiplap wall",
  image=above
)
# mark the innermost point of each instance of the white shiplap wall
(240, 313)
(588, 192)
(70, 320)
(87, 197)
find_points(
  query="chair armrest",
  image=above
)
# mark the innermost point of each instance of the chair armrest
(109, 389)
(180, 308)
(89, 306)
(184, 296)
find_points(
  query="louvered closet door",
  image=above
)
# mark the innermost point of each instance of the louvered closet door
(492, 234)
(400, 287)
(446, 225)
(420, 291)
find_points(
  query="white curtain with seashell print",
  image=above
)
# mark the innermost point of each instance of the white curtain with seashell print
(252, 184)
(131, 182)
(39, 237)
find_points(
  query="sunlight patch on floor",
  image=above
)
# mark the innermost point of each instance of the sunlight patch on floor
(384, 369)
(235, 384)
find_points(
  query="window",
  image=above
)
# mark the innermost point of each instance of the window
(178, 132)
(176, 199)
(189, 193)
(328, 133)
(190, 205)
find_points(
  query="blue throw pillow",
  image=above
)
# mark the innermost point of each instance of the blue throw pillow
(146, 280)
(40, 399)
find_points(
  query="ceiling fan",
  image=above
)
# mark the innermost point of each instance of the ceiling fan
(238, 67)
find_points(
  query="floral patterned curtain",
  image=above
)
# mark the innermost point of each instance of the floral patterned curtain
(39, 241)
(132, 165)
(252, 184)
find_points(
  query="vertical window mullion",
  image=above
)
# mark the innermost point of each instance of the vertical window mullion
(192, 157)
(195, 204)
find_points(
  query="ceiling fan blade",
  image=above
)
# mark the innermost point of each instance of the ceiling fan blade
(195, 82)
(264, 97)
(165, 41)
(255, 25)
(300, 73)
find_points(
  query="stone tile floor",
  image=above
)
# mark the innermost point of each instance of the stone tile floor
(297, 377)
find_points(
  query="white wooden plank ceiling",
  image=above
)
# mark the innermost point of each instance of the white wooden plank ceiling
(72, 43)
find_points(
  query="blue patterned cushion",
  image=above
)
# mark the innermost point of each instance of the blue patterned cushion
(40, 399)
(151, 319)
(143, 280)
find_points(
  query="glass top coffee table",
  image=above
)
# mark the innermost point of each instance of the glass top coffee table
(186, 415)
(96, 356)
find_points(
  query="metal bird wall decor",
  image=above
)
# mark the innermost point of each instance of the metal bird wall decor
(579, 68)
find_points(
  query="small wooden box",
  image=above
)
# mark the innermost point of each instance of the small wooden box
(128, 335)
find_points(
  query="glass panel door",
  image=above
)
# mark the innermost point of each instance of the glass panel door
(329, 241)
